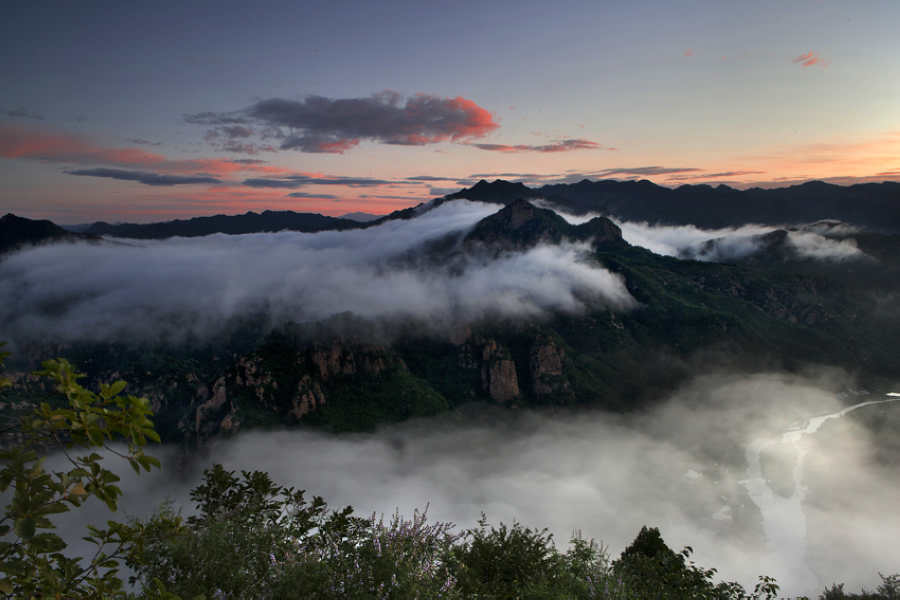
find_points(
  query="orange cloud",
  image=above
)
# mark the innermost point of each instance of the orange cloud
(809, 59)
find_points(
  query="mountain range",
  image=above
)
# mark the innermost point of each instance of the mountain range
(770, 310)
(871, 205)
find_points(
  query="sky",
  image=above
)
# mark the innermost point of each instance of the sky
(146, 111)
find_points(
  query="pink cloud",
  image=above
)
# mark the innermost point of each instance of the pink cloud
(809, 59)
(62, 147)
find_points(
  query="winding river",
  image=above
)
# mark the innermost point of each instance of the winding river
(783, 519)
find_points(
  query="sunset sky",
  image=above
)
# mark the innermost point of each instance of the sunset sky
(146, 111)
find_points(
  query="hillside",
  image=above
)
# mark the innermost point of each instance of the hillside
(249, 222)
(351, 373)
(872, 205)
(18, 232)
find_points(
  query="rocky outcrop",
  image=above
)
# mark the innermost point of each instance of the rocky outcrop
(249, 372)
(520, 226)
(209, 417)
(338, 359)
(546, 362)
(309, 397)
(498, 373)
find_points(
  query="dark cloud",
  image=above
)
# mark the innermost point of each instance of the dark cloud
(147, 178)
(22, 113)
(230, 132)
(244, 148)
(429, 178)
(143, 142)
(477, 176)
(249, 161)
(211, 118)
(326, 125)
(654, 170)
(295, 181)
(315, 196)
(714, 175)
(557, 146)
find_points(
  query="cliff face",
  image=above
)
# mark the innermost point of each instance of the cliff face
(498, 373)
(284, 388)
(546, 365)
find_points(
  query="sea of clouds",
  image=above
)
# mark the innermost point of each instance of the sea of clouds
(681, 467)
(813, 241)
(166, 289)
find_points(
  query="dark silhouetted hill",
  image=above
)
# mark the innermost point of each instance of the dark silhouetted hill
(873, 205)
(249, 222)
(17, 232)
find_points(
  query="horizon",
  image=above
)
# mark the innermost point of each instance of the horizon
(346, 107)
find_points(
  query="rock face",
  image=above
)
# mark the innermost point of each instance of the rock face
(208, 417)
(337, 359)
(309, 397)
(546, 363)
(498, 373)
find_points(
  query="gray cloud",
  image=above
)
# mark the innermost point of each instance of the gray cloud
(22, 113)
(145, 177)
(654, 170)
(211, 118)
(557, 146)
(143, 142)
(184, 286)
(429, 178)
(318, 196)
(319, 124)
(295, 181)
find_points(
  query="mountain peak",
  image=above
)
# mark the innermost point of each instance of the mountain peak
(16, 232)
(498, 191)
(521, 225)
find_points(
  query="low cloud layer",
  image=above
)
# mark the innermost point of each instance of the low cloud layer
(733, 243)
(170, 288)
(682, 467)
(335, 125)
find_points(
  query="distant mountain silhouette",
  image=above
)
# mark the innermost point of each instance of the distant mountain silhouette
(17, 232)
(361, 217)
(873, 205)
(249, 222)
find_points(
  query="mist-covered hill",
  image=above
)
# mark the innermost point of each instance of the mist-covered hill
(17, 233)
(872, 205)
(463, 302)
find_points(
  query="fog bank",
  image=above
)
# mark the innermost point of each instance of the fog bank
(729, 244)
(682, 467)
(166, 289)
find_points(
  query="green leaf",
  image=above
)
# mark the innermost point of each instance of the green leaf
(25, 528)
(116, 388)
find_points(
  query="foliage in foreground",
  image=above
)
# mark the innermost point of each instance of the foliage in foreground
(252, 538)
(32, 562)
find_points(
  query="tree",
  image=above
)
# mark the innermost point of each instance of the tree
(32, 559)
